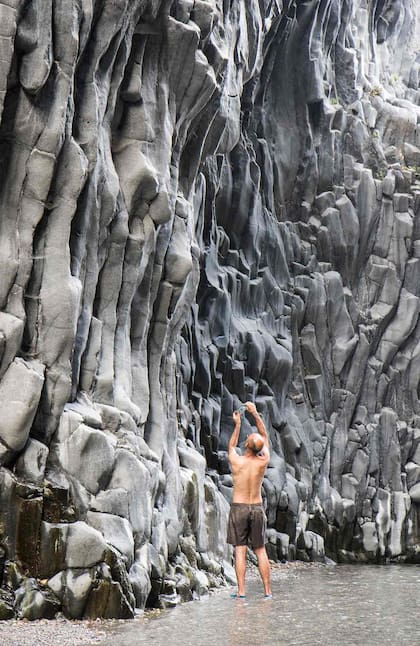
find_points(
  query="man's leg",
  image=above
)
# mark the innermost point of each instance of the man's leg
(264, 568)
(240, 567)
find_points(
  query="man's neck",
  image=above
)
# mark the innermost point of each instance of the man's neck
(250, 454)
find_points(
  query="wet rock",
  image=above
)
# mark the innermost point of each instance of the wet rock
(21, 514)
(7, 609)
(200, 583)
(183, 587)
(370, 538)
(383, 517)
(277, 545)
(140, 583)
(59, 502)
(107, 600)
(312, 545)
(400, 507)
(168, 600)
(33, 602)
(72, 588)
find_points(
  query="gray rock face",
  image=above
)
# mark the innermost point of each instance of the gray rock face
(203, 203)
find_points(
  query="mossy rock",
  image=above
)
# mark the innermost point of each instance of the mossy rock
(108, 601)
(7, 610)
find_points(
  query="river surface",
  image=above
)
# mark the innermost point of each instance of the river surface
(326, 605)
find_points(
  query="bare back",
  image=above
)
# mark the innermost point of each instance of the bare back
(247, 473)
(248, 469)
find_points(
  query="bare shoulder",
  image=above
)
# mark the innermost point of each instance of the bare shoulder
(264, 455)
(234, 457)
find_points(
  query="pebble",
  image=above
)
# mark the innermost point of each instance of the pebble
(48, 632)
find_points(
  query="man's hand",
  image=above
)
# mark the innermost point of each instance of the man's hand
(235, 436)
(236, 417)
(251, 408)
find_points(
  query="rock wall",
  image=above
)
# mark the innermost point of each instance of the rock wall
(203, 202)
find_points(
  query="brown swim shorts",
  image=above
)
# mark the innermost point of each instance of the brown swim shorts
(246, 523)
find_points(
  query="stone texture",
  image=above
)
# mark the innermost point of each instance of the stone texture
(71, 545)
(72, 588)
(32, 462)
(32, 602)
(116, 531)
(203, 203)
(20, 391)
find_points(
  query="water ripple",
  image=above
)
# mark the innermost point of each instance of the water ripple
(325, 606)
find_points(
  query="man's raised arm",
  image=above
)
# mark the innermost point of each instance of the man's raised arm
(233, 442)
(251, 408)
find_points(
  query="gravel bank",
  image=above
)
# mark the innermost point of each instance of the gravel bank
(55, 632)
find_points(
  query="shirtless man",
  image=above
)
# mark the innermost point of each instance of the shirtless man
(247, 520)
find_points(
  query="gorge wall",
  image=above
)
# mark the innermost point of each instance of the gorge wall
(204, 202)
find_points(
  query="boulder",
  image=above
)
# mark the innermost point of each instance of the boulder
(34, 602)
(72, 588)
(116, 531)
(20, 392)
(32, 462)
(69, 545)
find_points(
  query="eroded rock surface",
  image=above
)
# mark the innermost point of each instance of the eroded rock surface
(203, 202)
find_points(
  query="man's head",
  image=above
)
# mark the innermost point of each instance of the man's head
(254, 443)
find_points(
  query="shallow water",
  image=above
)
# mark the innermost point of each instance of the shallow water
(339, 605)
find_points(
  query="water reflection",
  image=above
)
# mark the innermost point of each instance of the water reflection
(248, 618)
(325, 606)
